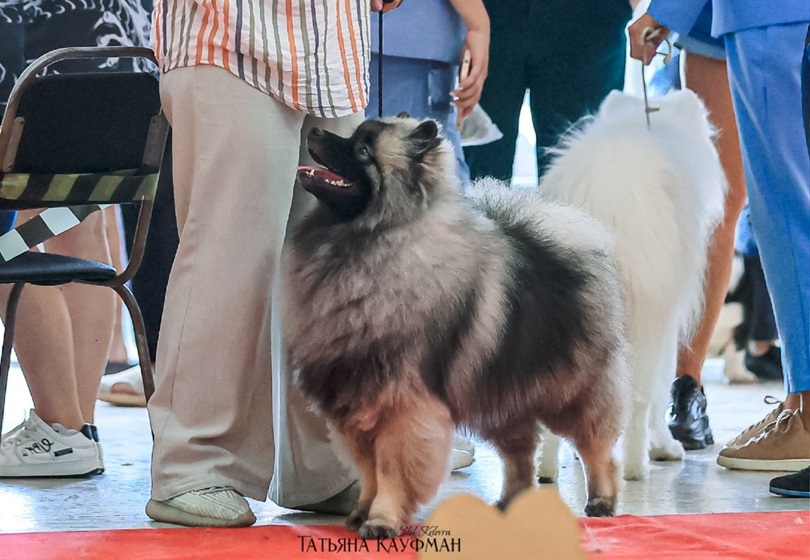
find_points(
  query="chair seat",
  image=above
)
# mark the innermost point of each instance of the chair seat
(47, 269)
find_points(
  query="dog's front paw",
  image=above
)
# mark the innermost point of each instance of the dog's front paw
(600, 507)
(356, 519)
(376, 530)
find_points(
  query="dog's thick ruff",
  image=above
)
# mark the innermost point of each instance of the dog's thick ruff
(411, 309)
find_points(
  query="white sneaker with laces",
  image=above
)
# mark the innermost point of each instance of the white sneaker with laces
(215, 506)
(37, 449)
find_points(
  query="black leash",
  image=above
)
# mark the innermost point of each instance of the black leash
(380, 69)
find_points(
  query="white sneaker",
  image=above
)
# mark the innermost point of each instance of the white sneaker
(37, 449)
(215, 506)
(124, 388)
(463, 454)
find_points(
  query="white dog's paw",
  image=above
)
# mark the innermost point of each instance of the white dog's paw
(548, 460)
(664, 447)
(547, 472)
(636, 469)
(671, 450)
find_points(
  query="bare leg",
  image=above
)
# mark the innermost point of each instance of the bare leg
(412, 451)
(800, 402)
(793, 401)
(91, 309)
(517, 446)
(118, 350)
(44, 346)
(708, 78)
(62, 337)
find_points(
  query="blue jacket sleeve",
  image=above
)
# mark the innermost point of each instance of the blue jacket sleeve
(678, 15)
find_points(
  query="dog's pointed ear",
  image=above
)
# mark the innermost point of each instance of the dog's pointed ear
(425, 137)
(403, 115)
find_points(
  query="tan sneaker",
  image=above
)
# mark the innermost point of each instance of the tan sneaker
(754, 429)
(783, 445)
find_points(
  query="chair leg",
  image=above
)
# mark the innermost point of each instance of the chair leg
(8, 343)
(140, 339)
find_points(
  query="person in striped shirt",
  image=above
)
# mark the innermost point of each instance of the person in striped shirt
(242, 83)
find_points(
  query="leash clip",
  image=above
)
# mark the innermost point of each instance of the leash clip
(647, 35)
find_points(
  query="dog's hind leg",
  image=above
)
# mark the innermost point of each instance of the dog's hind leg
(653, 363)
(645, 364)
(593, 426)
(663, 446)
(594, 431)
(636, 442)
(412, 453)
(517, 445)
(361, 447)
(595, 450)
(548, 467)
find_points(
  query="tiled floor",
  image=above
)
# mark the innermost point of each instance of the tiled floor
(116, 498)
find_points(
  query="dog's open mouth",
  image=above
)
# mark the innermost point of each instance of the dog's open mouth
(325, 177)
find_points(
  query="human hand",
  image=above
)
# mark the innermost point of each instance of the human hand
(645, 36)
(468, 93)
(384, 6)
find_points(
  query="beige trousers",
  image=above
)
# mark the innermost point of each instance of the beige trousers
(223, 412)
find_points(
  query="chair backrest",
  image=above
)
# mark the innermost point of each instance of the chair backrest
(85, 123)
(79, 142)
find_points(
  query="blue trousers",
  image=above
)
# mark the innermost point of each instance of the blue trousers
(764, 74)
(422, 88)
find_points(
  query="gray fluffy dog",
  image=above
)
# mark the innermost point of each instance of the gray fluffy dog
(413, 309)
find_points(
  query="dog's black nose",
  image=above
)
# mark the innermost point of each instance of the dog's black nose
(317, 132)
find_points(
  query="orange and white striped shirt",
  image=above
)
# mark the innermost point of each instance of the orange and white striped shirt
(309, 54)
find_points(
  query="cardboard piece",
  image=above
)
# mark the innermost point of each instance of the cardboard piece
(537, 524)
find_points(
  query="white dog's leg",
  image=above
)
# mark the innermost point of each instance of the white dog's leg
(547, 468)
(645, 365)
(664, 447)
(636, 443)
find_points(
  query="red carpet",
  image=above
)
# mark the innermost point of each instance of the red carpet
(734, 536)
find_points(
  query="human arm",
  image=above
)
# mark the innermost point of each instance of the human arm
(475, 17)
(662, 17)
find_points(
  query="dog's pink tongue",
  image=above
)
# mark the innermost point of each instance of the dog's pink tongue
(321, 173)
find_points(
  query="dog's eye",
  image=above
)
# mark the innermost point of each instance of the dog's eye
(362, 152)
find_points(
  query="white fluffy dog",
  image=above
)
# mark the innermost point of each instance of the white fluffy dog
(661, 191)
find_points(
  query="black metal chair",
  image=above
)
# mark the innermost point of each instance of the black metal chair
(74, 144)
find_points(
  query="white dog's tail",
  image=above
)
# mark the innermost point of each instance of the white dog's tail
(660, 190)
